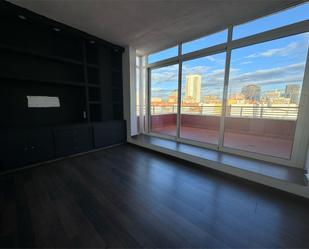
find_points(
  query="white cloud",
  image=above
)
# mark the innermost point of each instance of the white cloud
(306, 35)
(215, 59)
(165, 74)
(278, 75)
(156, 89)
(284, 51)
(195, 70)
(245, 63)
(211, 58)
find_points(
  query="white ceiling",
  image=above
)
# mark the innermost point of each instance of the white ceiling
(150, 25)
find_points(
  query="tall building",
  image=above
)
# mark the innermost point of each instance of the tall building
(251, 92)
(193, 88)
(292, 92)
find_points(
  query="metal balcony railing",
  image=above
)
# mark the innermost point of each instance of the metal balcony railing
(263, 112)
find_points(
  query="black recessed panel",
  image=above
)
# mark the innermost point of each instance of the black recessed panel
(15, 111)
(118, 111)
(117, 95)
(95, 112)
(94, 94)
(23, 66)
(116, 60)
(92, 53)
(116, 79)
(93, 75)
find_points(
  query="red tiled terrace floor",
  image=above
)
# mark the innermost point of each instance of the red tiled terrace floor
(273, 146)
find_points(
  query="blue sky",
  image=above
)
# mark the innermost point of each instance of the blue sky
(272, 65)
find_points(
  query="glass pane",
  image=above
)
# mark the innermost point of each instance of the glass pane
(205, 42)
(202, 91)
(162, 55)
(263, 95)
(164, 102)
(280, 19)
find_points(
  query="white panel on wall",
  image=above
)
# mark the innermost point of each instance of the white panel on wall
(43, 101)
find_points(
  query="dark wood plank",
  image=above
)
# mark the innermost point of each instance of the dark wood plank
(128, 197)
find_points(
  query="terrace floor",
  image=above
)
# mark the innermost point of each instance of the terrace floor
(277, 147)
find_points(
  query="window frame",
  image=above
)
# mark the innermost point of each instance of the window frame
(298, 153)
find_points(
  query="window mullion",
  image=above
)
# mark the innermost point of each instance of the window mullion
(148, 100)
(179, 89)
(225, 89)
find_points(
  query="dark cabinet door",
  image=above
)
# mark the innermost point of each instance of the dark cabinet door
(108, 133)
(64, 142)
(13, 150)
(41, 147)
(82, 139)
(71, 140)
(23, 147)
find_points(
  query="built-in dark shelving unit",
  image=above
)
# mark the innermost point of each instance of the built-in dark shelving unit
(94, 94)
(117, 90)
(41, 57)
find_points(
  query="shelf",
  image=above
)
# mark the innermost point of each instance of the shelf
(93, 66)
(95, 102)
(94, 85)
(117, 70)
(70, 83)
(32, 53)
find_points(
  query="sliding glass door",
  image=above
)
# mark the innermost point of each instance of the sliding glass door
(201, 100)
(263, 96)
(164, 100)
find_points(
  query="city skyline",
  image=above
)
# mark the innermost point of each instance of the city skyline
(272, 65)
(251, 93)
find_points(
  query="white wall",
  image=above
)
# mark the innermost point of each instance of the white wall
(129, 90)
